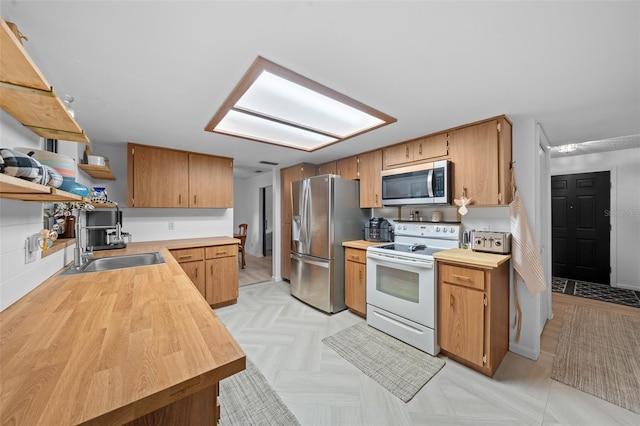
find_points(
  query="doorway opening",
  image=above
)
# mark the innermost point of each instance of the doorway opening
(581, 228)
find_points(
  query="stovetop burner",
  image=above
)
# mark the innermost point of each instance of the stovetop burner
(411, 248)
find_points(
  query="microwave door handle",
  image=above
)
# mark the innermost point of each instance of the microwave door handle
(430, 183)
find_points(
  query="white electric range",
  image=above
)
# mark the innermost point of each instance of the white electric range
(401, 285)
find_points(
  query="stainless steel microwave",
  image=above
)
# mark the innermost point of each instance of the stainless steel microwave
(428, 183)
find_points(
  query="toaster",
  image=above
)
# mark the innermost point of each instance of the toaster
(491, 242)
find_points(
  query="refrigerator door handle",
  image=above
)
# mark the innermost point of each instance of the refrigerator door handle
(305, 259)
(295, 228)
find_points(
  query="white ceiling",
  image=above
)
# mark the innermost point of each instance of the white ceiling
(155, 72)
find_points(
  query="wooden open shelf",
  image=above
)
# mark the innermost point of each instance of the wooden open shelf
(97, 172)
(20, 189)
(28, 96)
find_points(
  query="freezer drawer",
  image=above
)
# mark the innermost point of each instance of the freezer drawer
(312, 281)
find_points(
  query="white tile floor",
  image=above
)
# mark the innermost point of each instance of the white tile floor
(283, 337)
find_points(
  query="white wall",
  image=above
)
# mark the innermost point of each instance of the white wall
(145, 224)
(20, 219)
(246, 195)
(625, 206)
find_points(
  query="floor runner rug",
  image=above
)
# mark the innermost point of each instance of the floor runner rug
(246, 398)
(400, 368)
(598, 354)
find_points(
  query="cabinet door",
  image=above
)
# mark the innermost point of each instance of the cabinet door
(195, 271)
(397, 155)
(326, 168)
(285, 249)
(157, 177)
(221, 280)
(347, 168)
(355, 286)
(461, 322)
(210, 181)
(474, 153)
(431, 147)
(370, 179)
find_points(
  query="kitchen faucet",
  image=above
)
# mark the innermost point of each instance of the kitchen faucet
(80, 254)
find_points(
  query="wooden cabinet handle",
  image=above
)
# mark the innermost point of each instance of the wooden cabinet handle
(462, 277)
(186, 256)
(195, 200)
(196, 275)
(354, 257)
(451, 300)
(406, 149)
(420, 149)
(360, 275)
(221, 253)
(179, 199)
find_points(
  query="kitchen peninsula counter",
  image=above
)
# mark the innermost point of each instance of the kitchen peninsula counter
(110, 347)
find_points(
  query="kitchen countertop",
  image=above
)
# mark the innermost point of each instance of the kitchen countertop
(472, 258)
(361, 244)
(112, 346)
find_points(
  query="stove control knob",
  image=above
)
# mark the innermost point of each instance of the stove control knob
(444, 229)
(437, 229)
(404, 227)
(452, 230)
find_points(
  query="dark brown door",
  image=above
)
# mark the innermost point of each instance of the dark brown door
(580, 233)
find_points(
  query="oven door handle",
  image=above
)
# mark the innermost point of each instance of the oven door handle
(393, 260)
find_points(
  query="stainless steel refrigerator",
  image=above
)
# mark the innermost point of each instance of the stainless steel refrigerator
(326, 212)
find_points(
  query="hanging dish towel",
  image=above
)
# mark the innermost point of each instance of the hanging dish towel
(524, 251)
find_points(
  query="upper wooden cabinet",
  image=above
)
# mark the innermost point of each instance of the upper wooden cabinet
(370, 168)
(418, 150)
(28, 96)
(210, 181)
(326, 168)
(430, 147)
(347, 168)
(481, 157)
(161, 177)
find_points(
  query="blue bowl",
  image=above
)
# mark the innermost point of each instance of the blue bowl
(80, 189)
(68, 183)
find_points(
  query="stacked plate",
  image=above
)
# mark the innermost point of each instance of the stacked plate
(64, 165)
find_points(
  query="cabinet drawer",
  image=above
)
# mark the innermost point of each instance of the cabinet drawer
(221, 251)
(355, 255)
(467, 277)
(188, 255)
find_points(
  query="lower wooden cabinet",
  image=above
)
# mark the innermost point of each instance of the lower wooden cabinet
(213, 270)
(473, 314)
(221, 274)
(355, 280)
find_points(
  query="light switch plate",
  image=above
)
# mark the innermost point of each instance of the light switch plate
(31, 249)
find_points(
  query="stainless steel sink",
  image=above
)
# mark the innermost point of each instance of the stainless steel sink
(117, 262)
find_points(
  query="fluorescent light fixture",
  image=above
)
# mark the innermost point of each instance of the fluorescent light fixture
(567, 148)
(275, 105)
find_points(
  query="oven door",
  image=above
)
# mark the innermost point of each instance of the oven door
(403, 286)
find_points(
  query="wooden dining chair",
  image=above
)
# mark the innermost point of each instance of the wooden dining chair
(242, 235)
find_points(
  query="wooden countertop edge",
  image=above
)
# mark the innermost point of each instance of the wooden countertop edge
(361, 244)
(472, 258)
(141, 407)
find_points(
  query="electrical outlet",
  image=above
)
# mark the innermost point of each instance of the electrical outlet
(30, 252)
(171, 226)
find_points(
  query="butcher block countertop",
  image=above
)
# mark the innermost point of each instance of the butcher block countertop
(109, 347)
(472, 258)
(361, 244)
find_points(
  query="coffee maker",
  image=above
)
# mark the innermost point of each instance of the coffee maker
(104, 230)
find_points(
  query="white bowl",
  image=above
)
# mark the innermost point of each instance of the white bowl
(96, 160)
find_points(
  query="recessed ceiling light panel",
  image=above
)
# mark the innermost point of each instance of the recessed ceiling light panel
(275, 105)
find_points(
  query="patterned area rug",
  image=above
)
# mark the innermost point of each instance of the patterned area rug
(598, 354)
(400, 368)
(595, 291)
(246, 398)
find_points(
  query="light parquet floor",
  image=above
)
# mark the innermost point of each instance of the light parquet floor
(256, 270)
(283, 337)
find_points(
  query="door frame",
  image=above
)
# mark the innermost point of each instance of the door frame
(262, 205)
(543, 217)
(613, 201)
